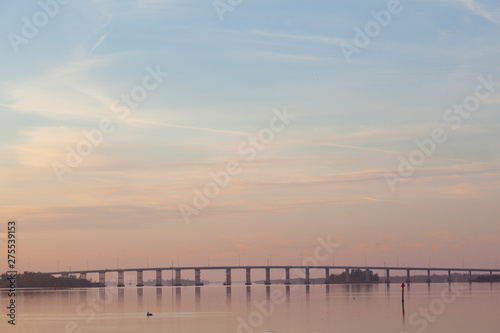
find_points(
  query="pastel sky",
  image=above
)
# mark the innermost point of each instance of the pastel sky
(323, 174)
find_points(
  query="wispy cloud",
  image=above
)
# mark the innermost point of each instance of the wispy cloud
(444, 236)
(291, 57)
(382, 200)
(40, 146)
(308, 38)
(103, 37)
(480, 9)
(194, 128)
(390, 151)
(325, 171)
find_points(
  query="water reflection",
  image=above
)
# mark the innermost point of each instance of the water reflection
(348, 293)
(228, 298)
(403, 308)
(140, 299)
(159, 299)
(387, 289)
(228, 305)
(197, 301)
(83, 295)
(102, 295)
(249, 296)
(197, 297)
(287, 291)
(308, 296)
(121, 299)
(403, 301)
(178, 296)
(315, 308)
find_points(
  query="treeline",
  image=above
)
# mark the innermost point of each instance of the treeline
(487, 278)
(152, 283)
(355, 276)
(184, 282)
(455, 277)
(41, 280)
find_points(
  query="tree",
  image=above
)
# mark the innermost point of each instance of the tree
(355, 276)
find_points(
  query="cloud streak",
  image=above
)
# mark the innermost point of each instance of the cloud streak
(103, 37)
(307, 38)
(491, 14)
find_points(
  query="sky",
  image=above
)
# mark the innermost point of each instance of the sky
(116, 116)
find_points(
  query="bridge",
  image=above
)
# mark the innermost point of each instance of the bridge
(306, 269)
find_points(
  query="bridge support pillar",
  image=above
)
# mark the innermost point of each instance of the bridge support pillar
(159, 279)
(249, 280)
(387, 277)
(121, 279)
(367, 275)
(287, 275)
(228, 277)
(347, 275)
(491, 276)
(83, 276)
(102, 279)
(268, 276)
(197, 277)
(428, 276)
(307, 281)
(408, 280)
(178, 281)
(449, 276)
(140, 282)
(327, 276)
(470, 276)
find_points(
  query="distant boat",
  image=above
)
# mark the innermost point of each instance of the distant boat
(149, 314)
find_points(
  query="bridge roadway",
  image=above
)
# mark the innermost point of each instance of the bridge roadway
(228, 269)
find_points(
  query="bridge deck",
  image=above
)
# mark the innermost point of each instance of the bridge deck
(445, 269)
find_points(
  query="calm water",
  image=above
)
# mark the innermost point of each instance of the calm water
(317, 308)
